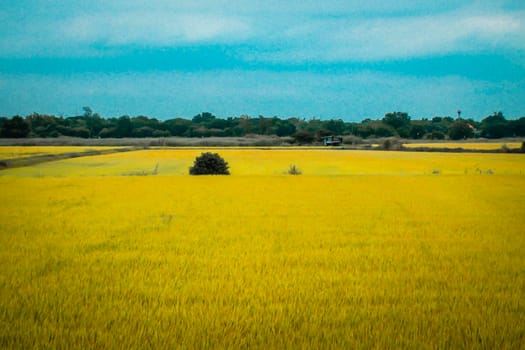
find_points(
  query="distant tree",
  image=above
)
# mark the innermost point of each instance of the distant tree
(397, 119)
(219, 124)
(177, 126)
(417, 131)
(263, 125)
(161, 133)
(209, 164)
(460, 129)
(15, 127)
(304, 137)
(517, 127)
(322, 132)
(495, 126)
(335, 127)
(384, 131)
(364, 130)
(107, 132)
(285, 128)
(144, 131)
(123, 127)
(203, 118)
(42, 125)
(245, 124)
(436, 135)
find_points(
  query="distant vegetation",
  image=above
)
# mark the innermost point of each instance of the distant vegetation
(302, 131)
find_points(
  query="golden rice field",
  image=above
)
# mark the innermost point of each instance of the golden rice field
(364, 250)
(268, 162)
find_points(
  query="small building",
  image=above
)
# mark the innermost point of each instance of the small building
(332, 141)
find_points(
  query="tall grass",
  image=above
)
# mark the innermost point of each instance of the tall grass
(394, 260)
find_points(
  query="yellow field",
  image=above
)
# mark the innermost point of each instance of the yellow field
(364, 250)
(251, 162)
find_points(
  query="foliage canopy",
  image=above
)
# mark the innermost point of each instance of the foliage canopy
(301, 131)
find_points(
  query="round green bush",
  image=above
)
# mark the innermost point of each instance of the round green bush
(209, 164)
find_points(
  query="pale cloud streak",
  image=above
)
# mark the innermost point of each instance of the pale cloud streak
(354, 39)
(84, 34)
(154, 29)
(268, 31)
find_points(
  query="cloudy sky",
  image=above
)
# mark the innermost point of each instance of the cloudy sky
(306, 58)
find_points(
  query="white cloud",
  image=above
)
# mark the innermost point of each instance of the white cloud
(283, 31)
(355, 39)
(80, 34)
(153, 28)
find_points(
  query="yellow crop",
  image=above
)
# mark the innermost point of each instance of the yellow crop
(364, 250)
(250, 162)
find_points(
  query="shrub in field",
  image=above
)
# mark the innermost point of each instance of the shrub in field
(209, 164)
(391, 144)
(523, 147)
(294, 170)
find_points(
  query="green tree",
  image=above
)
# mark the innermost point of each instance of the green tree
(43, 125)
(397, 120)
(460, 129)
(517, 127)
(177, 126)
(495, 126)
(285, 128)
(209, 164)
(304, 137)
(203, 118)
(384, 131)
(124, 127)
(336, 127)
(15, 127)
(417, 131)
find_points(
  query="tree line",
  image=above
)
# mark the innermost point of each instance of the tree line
(398, 124)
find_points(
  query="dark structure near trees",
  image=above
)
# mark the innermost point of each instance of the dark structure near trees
(332, 141)
(209, 164)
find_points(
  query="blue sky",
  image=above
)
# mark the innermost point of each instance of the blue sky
(326, 59)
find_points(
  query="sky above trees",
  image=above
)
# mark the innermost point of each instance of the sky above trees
(329, 59)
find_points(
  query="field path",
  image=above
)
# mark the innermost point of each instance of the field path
(49, 157)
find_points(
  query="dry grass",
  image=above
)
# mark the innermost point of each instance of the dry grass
(249, 140)
(484, 146)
